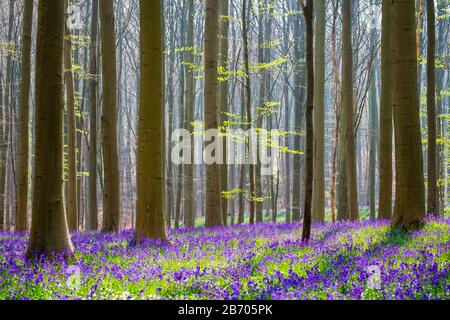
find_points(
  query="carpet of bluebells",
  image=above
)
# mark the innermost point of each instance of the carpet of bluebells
(243, 262)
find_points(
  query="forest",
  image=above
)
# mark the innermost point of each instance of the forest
(224, 150)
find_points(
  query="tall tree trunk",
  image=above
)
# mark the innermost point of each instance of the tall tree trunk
(24, 119)
(287, 182)
(299, 84)
(92, 221)
(442, 126)
(241, 202)
(150, 163)
(287, 128)
(5, 123)
(49, 230)
(259, 117)
(248, 102)
(373, 123)
(337, 110)
(386, 123)
(170, 115)
(319, 116)
(189, 170)
(72, 206)
(410, 195)
(308, 11)
(433, 194)
(111, 196)
(213, 211)
(348, 112)
(223, 99)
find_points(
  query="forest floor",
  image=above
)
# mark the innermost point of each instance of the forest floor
(242, 262)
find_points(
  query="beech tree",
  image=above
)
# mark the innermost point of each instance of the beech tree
(72, 205)
(150, 162)
(348, 113)
(92, 220)
(308, 11)
(432, 157)
(223, 98)
(24, 119)
(386, 120)
(213, 210)
(410, 194)
(49, 231)
(318, 211)
(111, 198)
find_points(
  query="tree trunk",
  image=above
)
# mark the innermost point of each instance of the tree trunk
(24, 118)
(92, 221)
(432, 167)
(150, 163)
(49, 231)
(5, 124)
(72, 211)
(410, 195)
(299, 83)
(111, 198)
(386, 123)
(213, 211)
(189, 172)
(223, 99)
(319, 116)
(308, 11)
(337, 132)
(348, 112)
(373, 123)
(248, 102)
(259, 118)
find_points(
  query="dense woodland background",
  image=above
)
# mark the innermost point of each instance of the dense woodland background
(261, 49)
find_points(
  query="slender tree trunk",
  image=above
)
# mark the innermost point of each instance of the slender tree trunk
(5, 123)
(373, 124)
(410, 195)
(337, 132)
(348, 112)
(287, 128)
(287, 183)
(319, 116)
(72, 211)
(189, 172)
(433, 193)
(386, 123)
(223, 99)
(299, 83)
(111, 197)
(150, 164)
(241, 203)
(213, 211)
(259, 118)
(170, 107)
(92, 221)
(248, 101)
(49, 230)
(24, 119)
(442, 127)
(308, 11)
